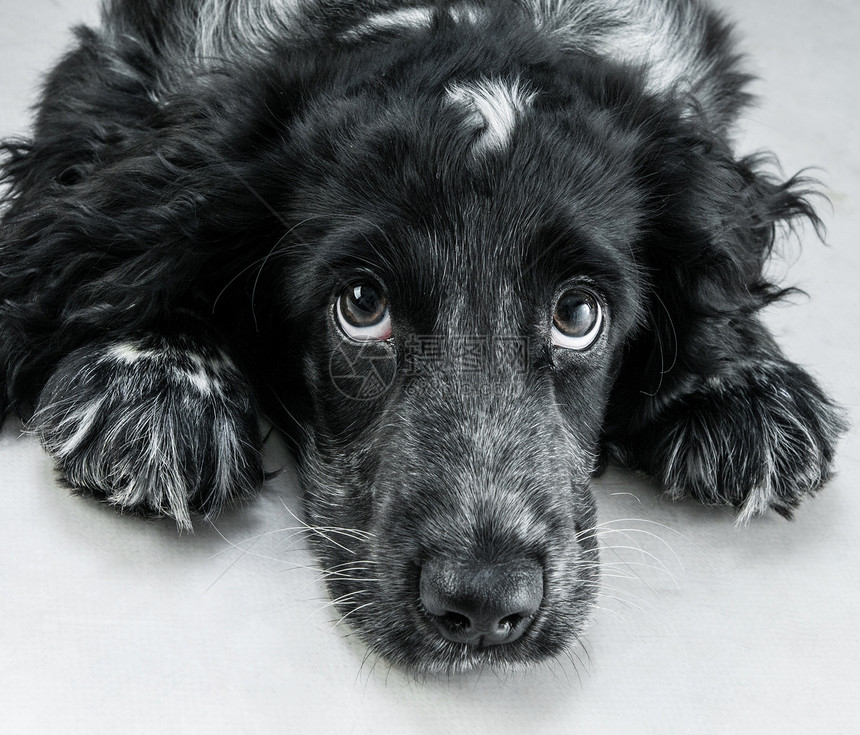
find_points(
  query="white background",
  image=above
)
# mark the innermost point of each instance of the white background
(111, 624)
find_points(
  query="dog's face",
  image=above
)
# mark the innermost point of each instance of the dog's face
(465, 288)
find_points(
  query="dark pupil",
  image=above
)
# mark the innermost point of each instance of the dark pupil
(575, 314)
(363, 306)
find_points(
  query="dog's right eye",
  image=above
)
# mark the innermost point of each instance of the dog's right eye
(362, 313)
(577, 319)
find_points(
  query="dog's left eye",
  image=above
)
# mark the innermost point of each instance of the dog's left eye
(362, 313)
(577, 319)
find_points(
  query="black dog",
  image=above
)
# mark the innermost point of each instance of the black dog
(459, 252)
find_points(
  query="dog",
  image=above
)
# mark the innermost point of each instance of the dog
(461, 253)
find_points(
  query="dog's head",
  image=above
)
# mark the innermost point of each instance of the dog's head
(462, 289)
(476, 268)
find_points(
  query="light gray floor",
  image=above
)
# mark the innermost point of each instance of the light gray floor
(109, 624)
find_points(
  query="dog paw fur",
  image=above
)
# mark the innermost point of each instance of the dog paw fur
(152, 426)
(763, 436)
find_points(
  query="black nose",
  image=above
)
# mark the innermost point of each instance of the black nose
(481, 605)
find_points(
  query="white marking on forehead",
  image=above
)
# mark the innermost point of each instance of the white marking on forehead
(396, 20)
(494, 106)
(130, 353)
(407, 19)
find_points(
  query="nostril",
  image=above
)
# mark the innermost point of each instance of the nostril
(511, 621)
(481, 604)
(456, 625)
(455, 620)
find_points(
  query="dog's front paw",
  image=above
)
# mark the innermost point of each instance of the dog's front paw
(762, 437)
(154, 426)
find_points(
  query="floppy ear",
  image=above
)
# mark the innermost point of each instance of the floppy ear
(124, 207)
(127, 217)
(705, 402)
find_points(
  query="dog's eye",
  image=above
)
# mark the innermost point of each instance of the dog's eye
(362, 313)
(577, 320)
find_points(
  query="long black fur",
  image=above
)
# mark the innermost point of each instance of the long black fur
(204, 178)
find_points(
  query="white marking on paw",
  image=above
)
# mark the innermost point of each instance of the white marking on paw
(786, 462)
(200, 380)
(229, 450)
(204, 375)
(492, 106)
(83, 420)
(786, 441)
(157, 481)
(133, 421)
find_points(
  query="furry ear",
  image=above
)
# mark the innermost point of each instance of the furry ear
(705, 402)
(125, 206)
(714, 224)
